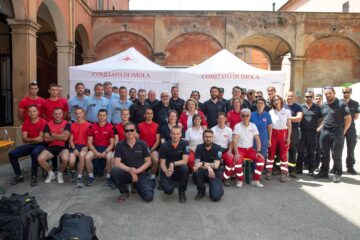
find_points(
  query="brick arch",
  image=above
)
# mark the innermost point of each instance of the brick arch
(190, 48)
(120, 41)
(331, 60)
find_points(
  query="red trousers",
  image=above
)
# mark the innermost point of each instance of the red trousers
(278, 146)
(191, 161)
(232, 167)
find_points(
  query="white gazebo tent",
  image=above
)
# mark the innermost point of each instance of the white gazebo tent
(129, 68)
(226, 70)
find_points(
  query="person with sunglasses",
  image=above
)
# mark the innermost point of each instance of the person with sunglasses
(350, 135)
(337, 120)
(280, 137)
(131, 160)
(244, 135)
(309, 127)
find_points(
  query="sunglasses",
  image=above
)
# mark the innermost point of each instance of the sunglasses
(245, 115)
(129, 130)
(347, 92)
(308, 96)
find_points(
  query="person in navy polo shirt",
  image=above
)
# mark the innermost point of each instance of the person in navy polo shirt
(131, 159)
(100, 144)
(32, 135)
(207, 162)
(174, 156)
(56, 134)
(176, 100)
(212, 107)
(137, 110)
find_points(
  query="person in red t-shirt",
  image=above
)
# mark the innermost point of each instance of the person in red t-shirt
(233, 116)
(148, 132)
(32, 135)
(56, 134)
(32, 99)
(101, 144)
(119, 134)
(78, 144)
(54, 101)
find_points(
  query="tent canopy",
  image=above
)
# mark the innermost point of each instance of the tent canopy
(226, 70)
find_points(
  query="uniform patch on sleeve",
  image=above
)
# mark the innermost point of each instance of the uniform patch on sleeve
(187, 149)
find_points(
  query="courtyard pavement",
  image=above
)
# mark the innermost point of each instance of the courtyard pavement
(299, 209)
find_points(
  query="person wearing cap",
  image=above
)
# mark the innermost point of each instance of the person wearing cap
(350, 135)
(221, 94)
(337, 120)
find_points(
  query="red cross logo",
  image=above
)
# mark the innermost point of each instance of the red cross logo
(127, 58)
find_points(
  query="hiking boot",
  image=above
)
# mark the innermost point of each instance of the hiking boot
(50, 177)
(239, 184)
(227, 182)
(283, 177)
(60, 178)
(199, 196)
(90, 181)
(352, 171)
(336, 178)
(79, 183)
(33, 182)
(257, 184)
(268, 175)
(17, 179)
(182, 197)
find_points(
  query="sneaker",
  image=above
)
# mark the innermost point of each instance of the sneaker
(268, 175)
(199, 196)
(283, 177)
(239, 184)
(33, 182)
(352, 171)
(17, 179)
(182, 197)
(257, 184)
(336, 178)
(90, 181)
(50, 177)
(79, 183)
(60, 178)
(108, 182)
(227, 182)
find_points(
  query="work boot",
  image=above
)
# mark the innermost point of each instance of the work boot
(199, 196)
(283, 177)
(292, 174)
(33, 182)
(268, 175)
(352, 171)
(321, 175)
(17, 179)
(182, 197)
(276, 172)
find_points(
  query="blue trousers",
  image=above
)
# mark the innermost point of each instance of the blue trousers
(33, 149)
(181, 175)
(331, 140)
(216, 190)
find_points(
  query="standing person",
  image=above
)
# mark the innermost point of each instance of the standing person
(77, 101)
(148, 132)
(119, 134)
(137, 110)
(60, 92)
(337, 120)
(236, 93)
(100, 143)
(87, 92)
(173, 163)
(271, 91)
(213, 106)
(233, 116)
(319, 102)
(165, 129)
(115, 89)
(207, 162)
(280, 137)
(78, 144)
(263, 122)
(196, 96)
(131, 159)
(32, 136)
(251, 97)
(56, 134)
(117, 105)
(162, 109)
(176, 100)
(223, 137)
(132, 95)
(296, 117)
(151, 99)
(244, 135)
(221, 95)
(95, 103)
(108, 92)
(246, 103)
(54, 101)
(191, 109)
(31, 100)
(308, 134)
(194, 136)
(350, 135)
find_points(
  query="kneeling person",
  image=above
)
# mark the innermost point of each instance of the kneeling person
(207, 162)
(174, 156)
(131, 159)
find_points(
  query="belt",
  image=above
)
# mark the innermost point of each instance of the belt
(333, 128)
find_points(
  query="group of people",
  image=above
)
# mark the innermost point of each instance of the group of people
(133, 137)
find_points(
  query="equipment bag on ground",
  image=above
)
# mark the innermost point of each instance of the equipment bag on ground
(21, 218)
(74, 226)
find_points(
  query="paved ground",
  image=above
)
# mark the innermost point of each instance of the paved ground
(299, 209)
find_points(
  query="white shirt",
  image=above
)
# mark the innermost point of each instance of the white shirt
(279, 119)
(246, 134)
(194, 136)
(222, 136)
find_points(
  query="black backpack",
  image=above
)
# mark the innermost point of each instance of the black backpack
(21, 218)
(74, 226)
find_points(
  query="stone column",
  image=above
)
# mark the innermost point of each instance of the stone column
(65, 56)
(88, 58)
(23, 34)
(297, 75)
